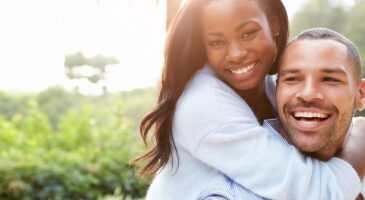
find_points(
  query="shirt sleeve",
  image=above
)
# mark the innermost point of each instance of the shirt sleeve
(219, 129)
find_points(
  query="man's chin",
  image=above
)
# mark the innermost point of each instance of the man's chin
(306, 144)
(308, 149)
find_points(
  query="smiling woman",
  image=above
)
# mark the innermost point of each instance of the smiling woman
(36, 35)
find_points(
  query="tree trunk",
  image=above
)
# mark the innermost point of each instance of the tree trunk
(172, 6)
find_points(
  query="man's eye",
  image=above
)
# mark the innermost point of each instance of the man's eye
(216, 43)
(291, 79)
(330, 80)
(249, 33)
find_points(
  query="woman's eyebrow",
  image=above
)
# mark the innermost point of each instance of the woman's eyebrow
(238, 28)
(243, 24)
(214, 34)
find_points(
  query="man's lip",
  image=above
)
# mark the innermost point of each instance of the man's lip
(309, 125)
(310, 110)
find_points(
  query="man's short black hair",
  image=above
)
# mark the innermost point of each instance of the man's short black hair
(328, 34)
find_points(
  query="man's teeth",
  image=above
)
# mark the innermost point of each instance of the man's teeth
(310, 115)
(243, 70)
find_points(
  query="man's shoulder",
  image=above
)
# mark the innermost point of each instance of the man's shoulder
(274, 127)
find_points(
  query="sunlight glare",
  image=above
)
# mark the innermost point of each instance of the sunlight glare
(36, 35)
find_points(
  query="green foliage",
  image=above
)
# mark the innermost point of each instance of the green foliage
(319, 13)
(360, 113)
(55, 102)
(11, 104)
(84, 156)
(354, 29)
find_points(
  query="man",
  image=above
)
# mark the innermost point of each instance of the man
(319, 87)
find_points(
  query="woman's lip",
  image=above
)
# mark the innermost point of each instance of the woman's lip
(240, 66)
(243, 75)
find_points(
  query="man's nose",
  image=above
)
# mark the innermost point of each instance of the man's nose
(236, 53)
(309, 91)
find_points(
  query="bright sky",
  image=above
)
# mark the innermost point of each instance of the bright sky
(36, 35)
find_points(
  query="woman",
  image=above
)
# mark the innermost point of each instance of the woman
(213, 97)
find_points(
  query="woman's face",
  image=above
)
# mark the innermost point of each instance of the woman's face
(238, 41)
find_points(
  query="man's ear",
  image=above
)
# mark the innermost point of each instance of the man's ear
(360, 105)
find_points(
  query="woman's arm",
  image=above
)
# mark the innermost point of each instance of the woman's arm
(354, 148)
(221, 131)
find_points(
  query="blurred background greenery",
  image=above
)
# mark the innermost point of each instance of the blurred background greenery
(63, 144)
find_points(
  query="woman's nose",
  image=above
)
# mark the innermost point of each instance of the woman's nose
(236, 53)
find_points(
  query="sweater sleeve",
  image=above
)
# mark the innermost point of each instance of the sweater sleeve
(219, 129)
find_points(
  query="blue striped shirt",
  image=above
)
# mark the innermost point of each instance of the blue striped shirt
(224, 188)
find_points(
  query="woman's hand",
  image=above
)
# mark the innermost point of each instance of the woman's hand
(354, 148)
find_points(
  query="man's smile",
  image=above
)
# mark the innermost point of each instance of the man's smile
(309, 119)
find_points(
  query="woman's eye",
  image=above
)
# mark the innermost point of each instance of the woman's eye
(247, 34)
(216, 43)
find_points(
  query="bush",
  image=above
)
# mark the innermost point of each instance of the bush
(79, 160)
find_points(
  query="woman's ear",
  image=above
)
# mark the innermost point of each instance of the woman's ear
(275, 32)
(360, 105)
(275, 27)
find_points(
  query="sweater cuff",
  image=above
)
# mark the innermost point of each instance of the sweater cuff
(347, 178)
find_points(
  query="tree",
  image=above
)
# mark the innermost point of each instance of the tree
(77, 66)
(172, 6)
(319, 13)
(55, 102)
(326, 13)
(355, 28)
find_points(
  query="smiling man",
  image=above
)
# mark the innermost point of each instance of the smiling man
(319, 88)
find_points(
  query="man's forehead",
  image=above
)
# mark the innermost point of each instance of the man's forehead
(315, 53)
(316, 45)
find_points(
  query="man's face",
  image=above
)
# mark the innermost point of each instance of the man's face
(316, 95)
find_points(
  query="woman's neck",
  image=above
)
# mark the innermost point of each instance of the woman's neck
(258, 101)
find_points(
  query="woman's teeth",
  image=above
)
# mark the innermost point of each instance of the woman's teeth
(242, 70)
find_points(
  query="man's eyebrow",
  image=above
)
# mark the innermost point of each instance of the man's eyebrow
(334, 71)
(288, 71)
